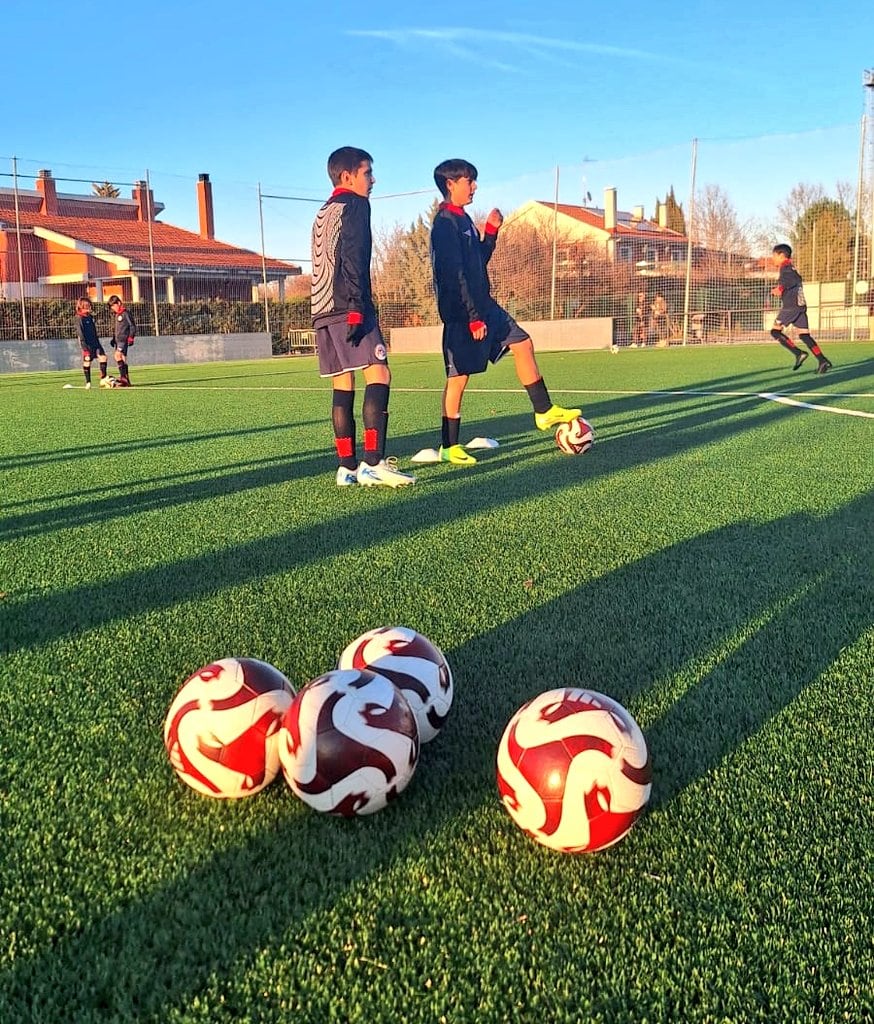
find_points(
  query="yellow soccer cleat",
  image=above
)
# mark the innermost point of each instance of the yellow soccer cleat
(555, 415)
(456, 455)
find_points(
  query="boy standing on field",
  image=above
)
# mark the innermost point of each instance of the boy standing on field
(123, 335)
(89, 342)
(793, 310)
(476, 330)
(348, 337)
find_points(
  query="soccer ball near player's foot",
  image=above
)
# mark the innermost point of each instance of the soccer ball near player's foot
(349, 742)
(573, 770)
(222, 729)
(576, 437)
(415, 665)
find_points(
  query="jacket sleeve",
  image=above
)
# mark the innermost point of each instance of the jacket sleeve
(488, 243)
(355, 250)
(80, 333)
(449, 275)
(131, 328)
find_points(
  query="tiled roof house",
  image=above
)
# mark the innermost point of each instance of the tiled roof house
(626, 237)
(76, 244)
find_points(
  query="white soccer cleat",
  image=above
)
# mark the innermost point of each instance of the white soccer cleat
(384, 474)
(346, 477)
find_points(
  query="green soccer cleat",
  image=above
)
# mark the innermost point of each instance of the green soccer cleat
(555, 415)
(456, 455)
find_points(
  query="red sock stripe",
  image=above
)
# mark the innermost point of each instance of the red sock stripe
(345, 447)
(371, 440)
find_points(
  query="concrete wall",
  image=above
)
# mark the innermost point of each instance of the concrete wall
(548, 335)
(65, 354)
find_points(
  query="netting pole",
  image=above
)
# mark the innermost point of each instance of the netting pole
(554, 248)
(20, 257)
(689, 226)
(264, 263)
(152, 254)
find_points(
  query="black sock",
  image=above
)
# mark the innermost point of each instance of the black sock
(374, 412)
(122, 370)
(539, 396)
(450, 429)
(87, 371)
(344, 428)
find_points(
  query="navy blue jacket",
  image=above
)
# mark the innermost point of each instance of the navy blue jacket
(458, 258)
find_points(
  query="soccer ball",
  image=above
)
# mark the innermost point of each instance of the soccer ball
(222, 729)
(416, 667)
(349, 742)
(576, 437)
(573, 770)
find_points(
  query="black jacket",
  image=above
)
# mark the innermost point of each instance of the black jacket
(458, 258)
(123, 326)
(342, 245)
(86, 330)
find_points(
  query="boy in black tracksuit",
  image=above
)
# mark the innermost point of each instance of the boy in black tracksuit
(793, 310)
(89, 342)
(476, 330)
(348, 337)
(123, 335)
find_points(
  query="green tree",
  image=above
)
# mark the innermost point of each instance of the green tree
(822, 241)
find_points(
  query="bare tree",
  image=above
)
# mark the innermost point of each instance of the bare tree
(716, 225)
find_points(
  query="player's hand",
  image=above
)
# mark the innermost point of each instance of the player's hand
(776, 291)
(495, 218)
(355, 333)
(478, 330)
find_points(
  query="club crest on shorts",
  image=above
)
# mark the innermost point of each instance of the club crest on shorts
(379, 351)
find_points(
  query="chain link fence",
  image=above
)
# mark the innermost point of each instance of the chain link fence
(671, 245)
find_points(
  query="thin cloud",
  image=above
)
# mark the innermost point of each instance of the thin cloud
(471, 43)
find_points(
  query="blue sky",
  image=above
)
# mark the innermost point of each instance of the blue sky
(262, 92)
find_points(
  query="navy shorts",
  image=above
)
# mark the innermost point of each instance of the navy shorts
(462, 355)
(93, 351)
(797, 317)
(337, 356)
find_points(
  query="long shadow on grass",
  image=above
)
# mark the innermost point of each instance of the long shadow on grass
(386, 516)
(529, 474)
(729, 627)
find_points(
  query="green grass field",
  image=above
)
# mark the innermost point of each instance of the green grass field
(708, 564)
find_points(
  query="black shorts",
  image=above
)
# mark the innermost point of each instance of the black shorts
(337, 355)
(462, 355)
(797, 317)
(93, 351)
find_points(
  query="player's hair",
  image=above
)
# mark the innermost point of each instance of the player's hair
(83, 304)
(452, 169)
(113, 300)
(346, 158)
(784, 250)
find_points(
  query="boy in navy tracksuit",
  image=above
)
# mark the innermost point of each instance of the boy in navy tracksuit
(476, 330)
(793, 310)
(348, 337)
(89, 342)
(123, 335)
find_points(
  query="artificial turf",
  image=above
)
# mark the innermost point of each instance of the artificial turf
(709, 564)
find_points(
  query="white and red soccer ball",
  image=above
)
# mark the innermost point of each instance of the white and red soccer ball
(416, 666)
(349, 742)
(576, 437)
(573, 770)
(222, 730)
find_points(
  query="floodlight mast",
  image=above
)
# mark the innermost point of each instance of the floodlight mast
(864, 202)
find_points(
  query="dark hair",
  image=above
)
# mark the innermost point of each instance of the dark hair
(452, 169)
(82, 303)
(784, 250)
(346, 158)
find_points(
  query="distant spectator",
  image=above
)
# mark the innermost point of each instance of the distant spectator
(640, 327)
(660, 326)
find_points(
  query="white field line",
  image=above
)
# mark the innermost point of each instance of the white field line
(783, 400)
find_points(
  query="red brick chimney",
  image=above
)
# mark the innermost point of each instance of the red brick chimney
(45, 184)
(204, 206)
(145, 200)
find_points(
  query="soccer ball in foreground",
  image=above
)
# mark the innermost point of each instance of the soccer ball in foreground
(576, 437)
(573, 770)
(222, 729)
(349, 742)
(416, 667)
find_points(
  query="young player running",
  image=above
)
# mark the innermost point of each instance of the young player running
(793, 310)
